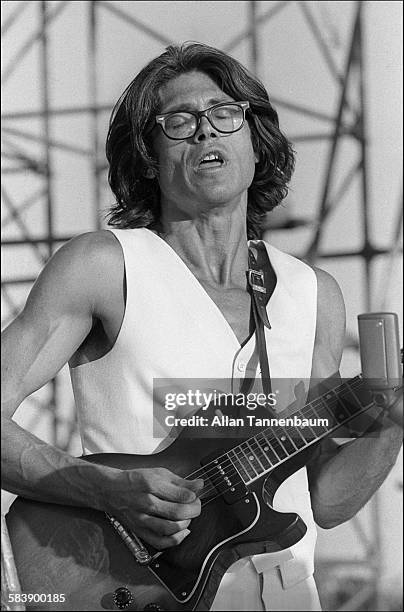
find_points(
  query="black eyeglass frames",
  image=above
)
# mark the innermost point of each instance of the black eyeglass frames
(225, 117)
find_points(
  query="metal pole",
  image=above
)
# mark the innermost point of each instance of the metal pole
(312, 250)
(396, 248)
(368, 252)
(48, 177)
(375, 507)
(252, 5)
(92, 68)
(46, 125)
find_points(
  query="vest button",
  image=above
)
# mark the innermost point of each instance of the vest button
(241, 366)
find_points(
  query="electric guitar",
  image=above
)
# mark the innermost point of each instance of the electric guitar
(71, 558)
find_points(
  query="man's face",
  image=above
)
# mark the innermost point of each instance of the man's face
(188, 186)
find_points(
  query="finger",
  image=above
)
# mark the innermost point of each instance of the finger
(155, 506)
(188, 483)
(195, 485)
(173, 540)
(162, 542)
(163, 527)
(176, 490)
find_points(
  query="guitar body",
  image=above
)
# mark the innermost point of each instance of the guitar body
(76, 551)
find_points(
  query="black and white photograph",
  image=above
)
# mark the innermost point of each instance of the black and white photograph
(201, 289)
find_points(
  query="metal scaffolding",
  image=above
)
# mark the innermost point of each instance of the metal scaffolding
(348, 122)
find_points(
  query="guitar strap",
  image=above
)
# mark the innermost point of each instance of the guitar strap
(261, 279)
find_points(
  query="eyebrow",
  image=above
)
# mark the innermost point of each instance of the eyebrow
(188, 106)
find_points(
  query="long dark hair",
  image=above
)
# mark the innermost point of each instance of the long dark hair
(129, 147)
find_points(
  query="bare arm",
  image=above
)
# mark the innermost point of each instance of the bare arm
(343, 478)
(72, 290)
(55, 320)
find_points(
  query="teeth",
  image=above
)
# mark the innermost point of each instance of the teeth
(211, 157)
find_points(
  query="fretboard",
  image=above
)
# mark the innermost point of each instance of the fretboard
(263, 452)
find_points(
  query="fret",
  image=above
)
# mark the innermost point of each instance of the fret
(349, 401)
(310, 412)
(308, 434)
(285, 440)
(336, 407)
(238, 465)
(250, 469)
(328, 412)
(253, 457)
(361, 391)
(346, 401)
(259, 451)
(278, 448)
(242, 459)
(267, 449)
(298, 439)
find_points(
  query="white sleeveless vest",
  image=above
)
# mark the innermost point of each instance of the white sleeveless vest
(173, 329)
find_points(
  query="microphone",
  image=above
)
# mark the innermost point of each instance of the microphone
(380, 355)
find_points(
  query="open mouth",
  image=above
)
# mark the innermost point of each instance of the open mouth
(211, 160)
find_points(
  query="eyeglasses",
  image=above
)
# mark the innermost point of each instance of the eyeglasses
(224, 117)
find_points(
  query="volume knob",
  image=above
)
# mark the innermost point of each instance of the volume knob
(123, 598)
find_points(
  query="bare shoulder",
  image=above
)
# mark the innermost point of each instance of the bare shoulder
(90, 253)
(93, 248)
(331, 319)
(96, 262)
(82, 274)
(329, 293)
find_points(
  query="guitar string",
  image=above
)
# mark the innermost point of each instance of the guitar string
(255, 445)
(277, 429)
(259, 448)
(207, 490)
(210, 499)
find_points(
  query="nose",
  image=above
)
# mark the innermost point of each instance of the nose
(205, 130)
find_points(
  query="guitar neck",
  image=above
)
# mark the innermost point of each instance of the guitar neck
(287, 437)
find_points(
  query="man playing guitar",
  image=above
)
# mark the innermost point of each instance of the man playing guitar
(196, 158)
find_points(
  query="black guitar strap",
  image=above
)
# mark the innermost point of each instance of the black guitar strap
(262, 282)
